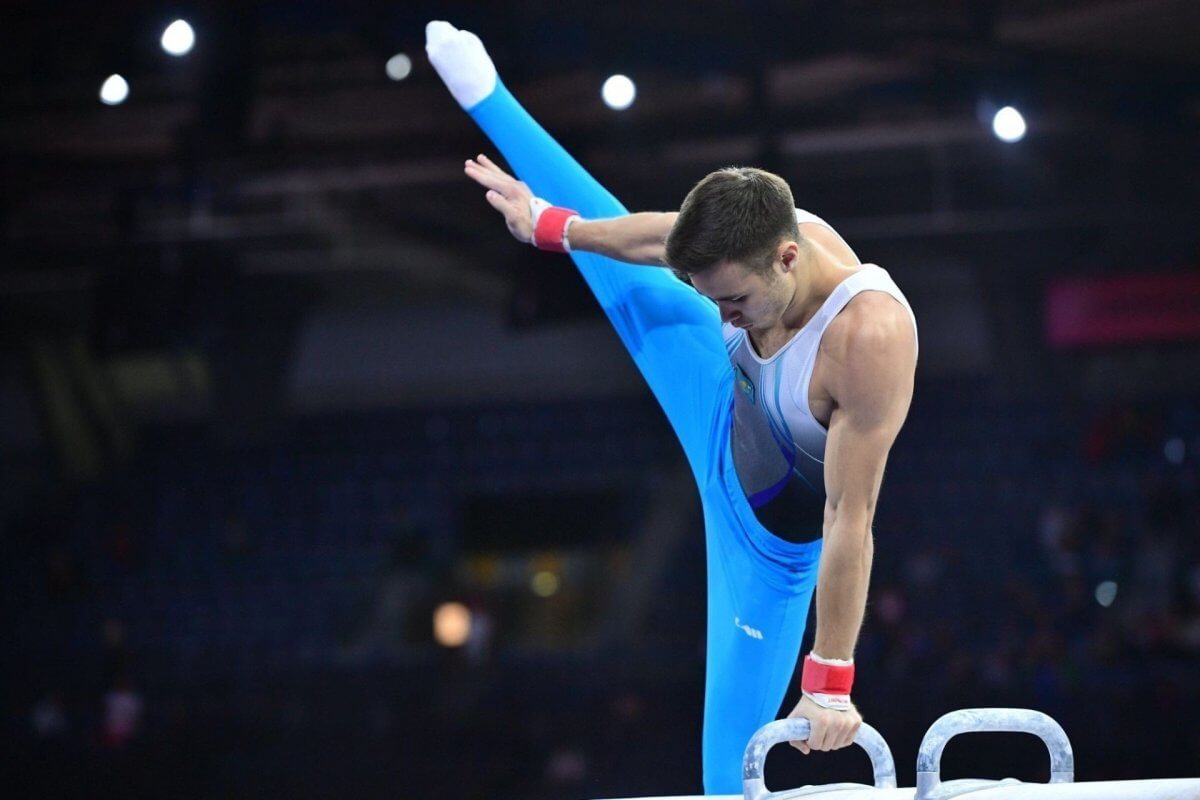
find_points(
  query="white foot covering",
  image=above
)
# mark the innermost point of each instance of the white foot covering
(461, 61)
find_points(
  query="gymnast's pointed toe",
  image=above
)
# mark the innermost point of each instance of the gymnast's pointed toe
(461, 61)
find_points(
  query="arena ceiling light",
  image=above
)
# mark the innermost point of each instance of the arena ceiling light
(114, 90)
(399, 67)
(178, 38)
(618, 92)
(1008, 125)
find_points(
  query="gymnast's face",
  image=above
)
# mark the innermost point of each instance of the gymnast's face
(748, 298)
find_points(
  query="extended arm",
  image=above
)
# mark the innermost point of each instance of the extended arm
(871, 353)
(634, 239)
(875, 356)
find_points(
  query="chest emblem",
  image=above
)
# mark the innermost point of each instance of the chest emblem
(744, 384)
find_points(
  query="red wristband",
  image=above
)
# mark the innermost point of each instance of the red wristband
(819, 678)
(548, 233)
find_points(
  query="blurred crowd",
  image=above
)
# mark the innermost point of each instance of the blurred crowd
(1079, 597)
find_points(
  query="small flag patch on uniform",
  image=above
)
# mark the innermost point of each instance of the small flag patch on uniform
(744, 384)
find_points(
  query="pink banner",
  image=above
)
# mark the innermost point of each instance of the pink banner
(1129, 309)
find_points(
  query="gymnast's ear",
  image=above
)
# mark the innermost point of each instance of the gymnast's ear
(788, 255)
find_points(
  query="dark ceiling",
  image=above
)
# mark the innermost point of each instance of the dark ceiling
(279, 150)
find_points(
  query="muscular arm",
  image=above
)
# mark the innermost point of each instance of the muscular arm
(635, 239)
(873, 352)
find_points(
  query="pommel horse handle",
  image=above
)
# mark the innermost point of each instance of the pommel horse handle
(786, 730)
(991, 720)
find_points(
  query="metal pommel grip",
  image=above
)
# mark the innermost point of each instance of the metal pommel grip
(786, 730)
(991, 720)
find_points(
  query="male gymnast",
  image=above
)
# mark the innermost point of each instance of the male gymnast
(786, 370)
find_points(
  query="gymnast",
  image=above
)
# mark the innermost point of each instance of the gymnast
(785, 367)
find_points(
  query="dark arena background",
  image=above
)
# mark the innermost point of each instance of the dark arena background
(315, 483)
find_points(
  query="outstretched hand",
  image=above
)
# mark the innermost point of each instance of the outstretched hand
(506, 194)
(830, 729)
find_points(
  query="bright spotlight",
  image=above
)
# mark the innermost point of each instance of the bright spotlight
(1008, 125)
(114, 90)
(1106, 593)
(398, 67)
(618, 92)
(178, 38)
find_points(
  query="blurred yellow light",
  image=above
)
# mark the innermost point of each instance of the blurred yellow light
(451, 624)
(545, 583)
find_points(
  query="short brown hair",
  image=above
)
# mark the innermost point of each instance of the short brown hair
(734, 214)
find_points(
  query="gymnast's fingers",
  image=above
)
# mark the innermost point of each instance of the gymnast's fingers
(487, 165)
(512, 189)
(818, 734)
(852, 733)
(516, 215)
(487, 162)
(500, 204)
(487, 178)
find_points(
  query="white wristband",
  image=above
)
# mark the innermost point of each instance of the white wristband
(567, 230)
(838, 702)
(536, 206)
(831, 662)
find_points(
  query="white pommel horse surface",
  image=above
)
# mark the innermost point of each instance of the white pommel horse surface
(929, 756)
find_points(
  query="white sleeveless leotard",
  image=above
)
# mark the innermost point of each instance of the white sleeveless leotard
(778, 445)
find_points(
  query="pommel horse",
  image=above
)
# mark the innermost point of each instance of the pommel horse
(930, 786)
